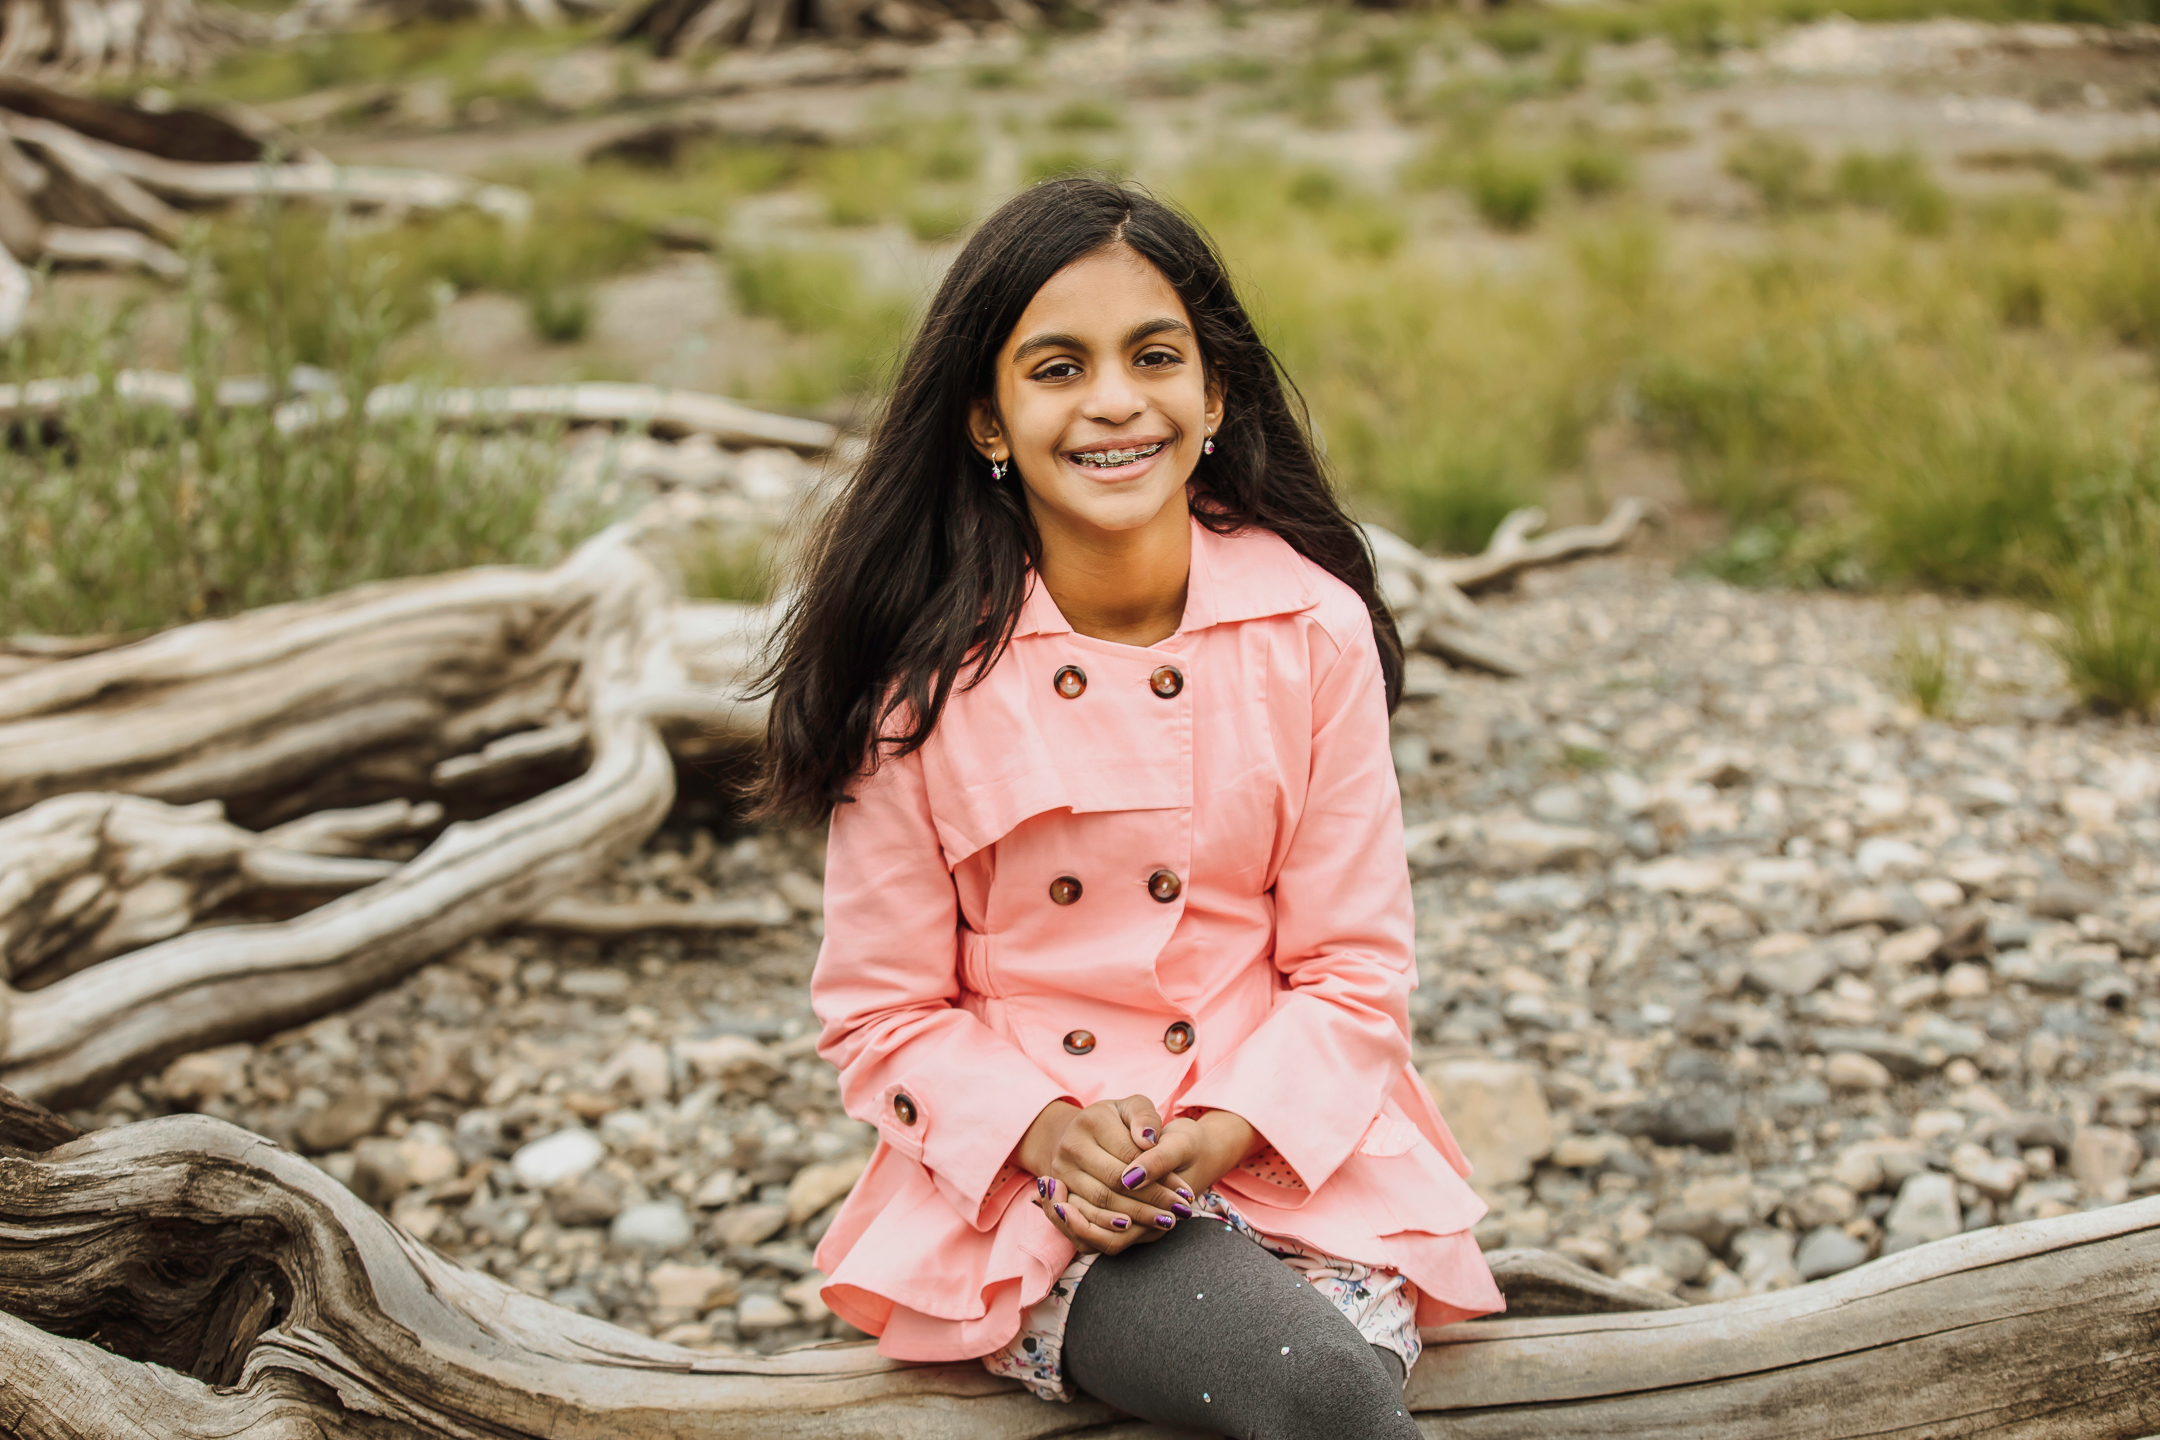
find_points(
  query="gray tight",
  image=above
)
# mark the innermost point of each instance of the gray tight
(1190, 1331)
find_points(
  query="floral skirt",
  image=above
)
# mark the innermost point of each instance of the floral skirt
(1378, 1301)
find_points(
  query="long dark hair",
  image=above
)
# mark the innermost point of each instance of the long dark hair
(918, 569)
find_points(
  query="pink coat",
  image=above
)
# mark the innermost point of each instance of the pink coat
(1240, 940)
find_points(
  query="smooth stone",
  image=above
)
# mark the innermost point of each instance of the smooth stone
(344, 1120)
(565, 1155)
(1497, 1111)
(1827, 1250)
(1705, 1121)
(658, 1224)
(1926, 1210)
(1850, 1070)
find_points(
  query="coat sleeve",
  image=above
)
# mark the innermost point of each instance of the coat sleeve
(886, 989)
(1317, 1071)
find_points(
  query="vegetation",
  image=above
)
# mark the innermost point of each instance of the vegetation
(128, 517)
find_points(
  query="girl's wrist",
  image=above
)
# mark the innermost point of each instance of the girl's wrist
(1034, 1152)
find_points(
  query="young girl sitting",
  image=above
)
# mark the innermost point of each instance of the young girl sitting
(1088, 667)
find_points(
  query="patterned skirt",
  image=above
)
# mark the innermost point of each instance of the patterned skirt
(1379, 1302)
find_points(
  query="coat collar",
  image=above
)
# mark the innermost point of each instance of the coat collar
(1246, 575)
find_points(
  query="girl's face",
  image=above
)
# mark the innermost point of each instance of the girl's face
(1101, 402)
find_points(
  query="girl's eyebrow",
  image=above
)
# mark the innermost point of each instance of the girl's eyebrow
(1160, 325)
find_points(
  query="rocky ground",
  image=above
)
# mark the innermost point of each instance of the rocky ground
(1736, 971)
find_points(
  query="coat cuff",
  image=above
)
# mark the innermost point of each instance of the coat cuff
(964, 1141)
(1313, 1128)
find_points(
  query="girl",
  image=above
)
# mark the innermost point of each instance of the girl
(1089, 669)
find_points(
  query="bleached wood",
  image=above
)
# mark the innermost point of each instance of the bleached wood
(663, 411)
(112, 248)
(1511, 549)
(286, 1306)
(595, 917)
(263, 706)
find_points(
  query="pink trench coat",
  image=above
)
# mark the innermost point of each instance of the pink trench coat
(1174, 871)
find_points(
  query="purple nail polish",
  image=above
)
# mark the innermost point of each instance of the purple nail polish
(1134, 1176)
(1042, 1186)
(1184, 1194)
(1120, 1222)
(1184, 1212)
(1147, 1134)
(1060, 1211)
(1164, 1221)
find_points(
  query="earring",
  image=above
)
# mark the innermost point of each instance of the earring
(997, 469)
(1207, 446)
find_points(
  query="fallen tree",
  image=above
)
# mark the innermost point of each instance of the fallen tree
(185, 1278)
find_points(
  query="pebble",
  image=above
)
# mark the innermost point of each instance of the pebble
(760, 1313)
(1850, 1070)
(1828, 1250)
(1498, 1114)
(1926, 1209)
(659, 1224)
(565, 1155)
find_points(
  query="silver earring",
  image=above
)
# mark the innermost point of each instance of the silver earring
(1207, 446)
(997, 469)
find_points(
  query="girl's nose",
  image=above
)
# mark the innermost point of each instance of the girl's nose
(1113, 400)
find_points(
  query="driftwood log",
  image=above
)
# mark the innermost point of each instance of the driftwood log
(102, 183)
(184, 1278)
(388, 694)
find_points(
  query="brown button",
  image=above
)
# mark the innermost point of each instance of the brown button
(1079, 1042)
(1070, 681)
(1166, 681)
(1178, 1038)
(1164, 886)
(1064, 890)
(903, 1107)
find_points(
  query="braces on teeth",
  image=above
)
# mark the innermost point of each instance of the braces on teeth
(1108, 458)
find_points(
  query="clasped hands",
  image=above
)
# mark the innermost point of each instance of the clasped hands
(1113, 1174)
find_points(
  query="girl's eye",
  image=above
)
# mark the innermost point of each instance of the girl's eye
(1156, 359)
(1058, 370)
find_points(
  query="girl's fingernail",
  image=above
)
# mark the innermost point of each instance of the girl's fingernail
(1060, 1211)
(1184, 1194)
(1165, 1221)
(1147, 1134)
(1042, 1186)
(1134, 1176)
(1184, 1212)
(1120, 1222)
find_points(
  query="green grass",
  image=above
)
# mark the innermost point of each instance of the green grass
(134, 518)
(1899, 185)
(1927, 670)
(849, 336)
(2107, 604)
(477, 58)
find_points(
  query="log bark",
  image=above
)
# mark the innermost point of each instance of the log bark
(133, 37)
(182, 1277)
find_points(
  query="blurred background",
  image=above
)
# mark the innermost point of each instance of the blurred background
(1865, 299)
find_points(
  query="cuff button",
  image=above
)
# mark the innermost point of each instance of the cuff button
(904, 1107)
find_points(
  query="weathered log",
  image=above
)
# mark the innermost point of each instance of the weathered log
(284, 706)
(202, 136)
(86, 877)
(193, 183)
(657, 409)
(1511, 550)
(182, 1277)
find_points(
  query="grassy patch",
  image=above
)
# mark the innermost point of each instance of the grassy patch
(135, 519)
(848, 336)
(1927, 670)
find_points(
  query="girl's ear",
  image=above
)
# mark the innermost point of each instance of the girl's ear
(984, 431)
(1213, 411)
